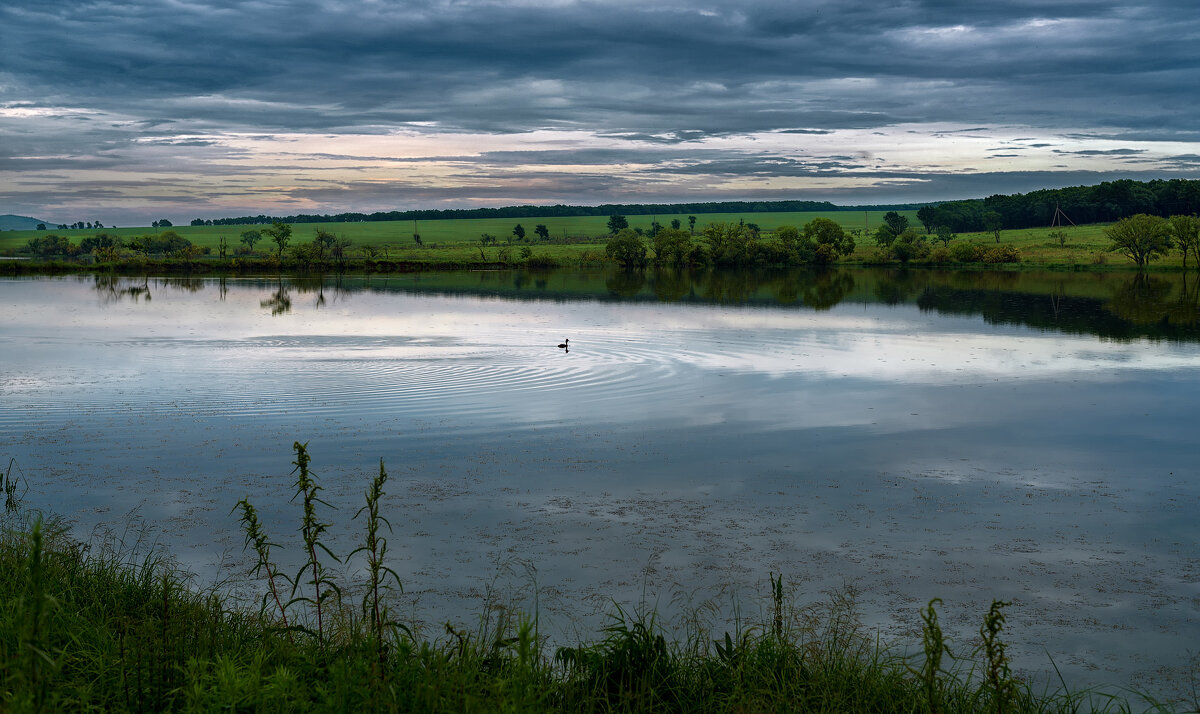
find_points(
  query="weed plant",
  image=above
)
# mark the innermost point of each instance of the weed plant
(115, 625)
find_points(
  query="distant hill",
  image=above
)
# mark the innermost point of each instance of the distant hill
(10, 222)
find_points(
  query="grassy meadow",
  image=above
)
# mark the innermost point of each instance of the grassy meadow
(454, 232)
(581, 239)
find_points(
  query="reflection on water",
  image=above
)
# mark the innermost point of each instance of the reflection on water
(1025, 436)
(1118, 306)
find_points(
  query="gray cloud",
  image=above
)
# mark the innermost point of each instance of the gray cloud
(147, 84)
(633, 68)
(1102, 152)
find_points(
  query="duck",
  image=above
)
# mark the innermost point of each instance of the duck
(563, 346)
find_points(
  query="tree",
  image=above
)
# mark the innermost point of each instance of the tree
(163, 223)
(50, 244)
(171, 243)
(1186, 232)
(1141, 237)
(884, 236)
(222, 247)
(692, 224)
(829, 240)
(909, 245)
(616, 224)
(895, 221)
(730, 243)
(41, 226)
(993, 223)
(927, 215)
(323, 242)
(945, 235)
(98, 242)
(280, 234)
(250, 238)
(675, 223)
(672, 246)
(340, 250)
(541, 231)
(793, 249)
(519, 231)
(627, 249)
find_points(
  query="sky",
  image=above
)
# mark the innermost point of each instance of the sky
(126, 112)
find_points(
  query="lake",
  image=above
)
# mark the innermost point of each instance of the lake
(895, 435)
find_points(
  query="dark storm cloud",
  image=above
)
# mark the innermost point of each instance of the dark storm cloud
(153, 86)
(643, 70)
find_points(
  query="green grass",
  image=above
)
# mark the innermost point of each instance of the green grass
(455, 232)
(1084, 246)
(114, 626)
(581, 239)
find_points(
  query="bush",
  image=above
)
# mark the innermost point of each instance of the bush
(1007, 253)
(541, 261)
(965, 252)
(51, 244)
(940, 254)
(626, 249)
(165, 243)
(910, 246)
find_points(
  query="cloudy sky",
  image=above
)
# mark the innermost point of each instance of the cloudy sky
(128, 111)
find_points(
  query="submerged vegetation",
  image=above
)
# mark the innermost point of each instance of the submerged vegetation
(112, 625)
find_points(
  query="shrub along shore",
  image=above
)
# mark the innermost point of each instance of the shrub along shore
(108, 626)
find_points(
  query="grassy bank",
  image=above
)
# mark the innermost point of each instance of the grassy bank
(398, 235)
(111, 626)
(389, 246)
(1084, 248)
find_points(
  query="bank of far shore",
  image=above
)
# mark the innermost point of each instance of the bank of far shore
(252, 266)
(389, 247)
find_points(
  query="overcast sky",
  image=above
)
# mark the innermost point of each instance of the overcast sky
(128, 111)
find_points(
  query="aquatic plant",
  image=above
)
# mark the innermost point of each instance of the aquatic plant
(8, 486)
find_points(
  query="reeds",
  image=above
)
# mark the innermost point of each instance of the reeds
(8, 486)
(326, 592)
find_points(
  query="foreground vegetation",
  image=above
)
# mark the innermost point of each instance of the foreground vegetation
(108, 626)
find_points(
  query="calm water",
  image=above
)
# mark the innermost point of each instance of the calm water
(1030, 437)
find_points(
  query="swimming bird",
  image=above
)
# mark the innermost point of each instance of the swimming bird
(563, 346)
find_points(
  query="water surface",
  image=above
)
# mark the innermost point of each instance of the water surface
(904, 435)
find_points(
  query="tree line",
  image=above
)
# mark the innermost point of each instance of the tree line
(1102, 203)
(555, 211)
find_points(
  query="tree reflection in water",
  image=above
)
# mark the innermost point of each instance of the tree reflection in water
(1110, 305)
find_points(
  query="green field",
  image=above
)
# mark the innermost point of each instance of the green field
(468, 230)
(582, 238)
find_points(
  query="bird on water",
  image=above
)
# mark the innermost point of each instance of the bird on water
(563, 346)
